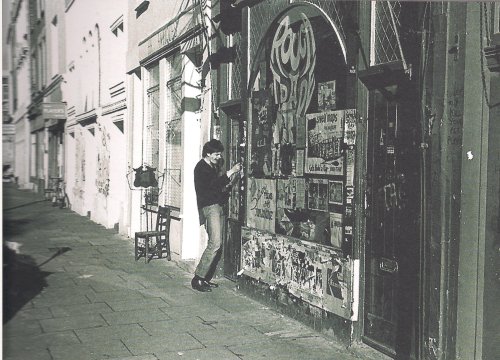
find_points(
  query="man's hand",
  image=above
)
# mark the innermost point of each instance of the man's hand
(235, 169)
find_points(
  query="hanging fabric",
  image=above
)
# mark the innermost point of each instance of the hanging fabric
(145, 177)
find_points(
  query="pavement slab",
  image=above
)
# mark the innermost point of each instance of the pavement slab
(113, 332)
(73, 322)
(110, 349)
(77, 293)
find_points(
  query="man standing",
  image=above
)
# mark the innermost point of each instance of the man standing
(209, 186)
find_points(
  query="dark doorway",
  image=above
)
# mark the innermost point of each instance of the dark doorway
(234, 154)
(392, 242)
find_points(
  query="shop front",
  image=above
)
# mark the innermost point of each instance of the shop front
(297, 239)
(325, 223)
(46, 148)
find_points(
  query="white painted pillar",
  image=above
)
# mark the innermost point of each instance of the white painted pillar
(191, 123)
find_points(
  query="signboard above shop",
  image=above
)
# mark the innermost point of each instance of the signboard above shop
(54, 110)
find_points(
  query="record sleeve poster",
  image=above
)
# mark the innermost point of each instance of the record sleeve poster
(261, 203)
(324, 138)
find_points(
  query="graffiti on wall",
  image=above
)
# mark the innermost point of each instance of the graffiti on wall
(312, 272)
(78, 189)
(103, 162)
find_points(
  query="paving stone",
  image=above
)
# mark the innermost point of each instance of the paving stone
(113, 332)
(33, 314)
(135, 316)
(52, 293)
(73, 322)
(139, 357)
(116, 295)
(103, 350)
(179, 342)
(17, 327)
(80, 309)
(15, 344)
(202, 354)
(204, 312)
(43, 301)
(241, 335)
(174, 326)
(42, 354)
(146, 303)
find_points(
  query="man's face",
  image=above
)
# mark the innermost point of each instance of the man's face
(214, 158)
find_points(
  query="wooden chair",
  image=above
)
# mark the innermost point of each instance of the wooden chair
(161, 235)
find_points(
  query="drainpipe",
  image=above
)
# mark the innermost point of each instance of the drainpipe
(98, 64)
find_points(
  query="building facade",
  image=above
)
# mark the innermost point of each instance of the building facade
(369, 203)
(47, 111)
(169, 115)
(367, 131)
(19, 88)
(95, 94)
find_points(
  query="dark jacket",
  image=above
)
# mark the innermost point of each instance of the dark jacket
(209, 185)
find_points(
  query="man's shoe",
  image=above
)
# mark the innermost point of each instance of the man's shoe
(211, 284)
(199, 284)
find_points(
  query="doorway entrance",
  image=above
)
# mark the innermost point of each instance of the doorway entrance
(392, 238)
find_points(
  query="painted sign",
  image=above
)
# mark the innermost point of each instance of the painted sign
(54, 110)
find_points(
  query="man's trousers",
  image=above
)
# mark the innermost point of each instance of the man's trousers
(213, 222)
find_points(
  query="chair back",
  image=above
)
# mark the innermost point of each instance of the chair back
(163, 219)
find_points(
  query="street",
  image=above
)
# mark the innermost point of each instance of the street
(72, 290)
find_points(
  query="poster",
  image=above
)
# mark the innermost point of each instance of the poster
(314, 273)
(336, 229)
(350, 127)
(317, 194)
(291, 194)
(291, 200)
(260, 162)
(261, 203)
(335, 192)
(349, 165)
(324, 138)
(299, 163)
(327, 98)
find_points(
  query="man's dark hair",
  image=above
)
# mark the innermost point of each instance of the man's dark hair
(211, 147)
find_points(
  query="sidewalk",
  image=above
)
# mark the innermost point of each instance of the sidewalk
(73, 291)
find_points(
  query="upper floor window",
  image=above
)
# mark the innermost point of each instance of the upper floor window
(386, 27)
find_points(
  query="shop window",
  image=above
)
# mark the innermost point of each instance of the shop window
(152, 131)
(301, 161)
(173, 133)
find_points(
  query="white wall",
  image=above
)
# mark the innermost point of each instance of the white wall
(95, 82)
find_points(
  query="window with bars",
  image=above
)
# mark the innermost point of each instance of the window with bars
(173, 133)
(386, 27)
(151, 151)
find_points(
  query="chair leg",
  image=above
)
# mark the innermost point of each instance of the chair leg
(146, 246)
(167, 246)
(159, 247)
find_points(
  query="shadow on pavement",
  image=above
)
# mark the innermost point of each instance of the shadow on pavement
(22, 280)
(14, 227)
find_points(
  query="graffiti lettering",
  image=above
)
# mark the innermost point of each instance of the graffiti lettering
(293, 59)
